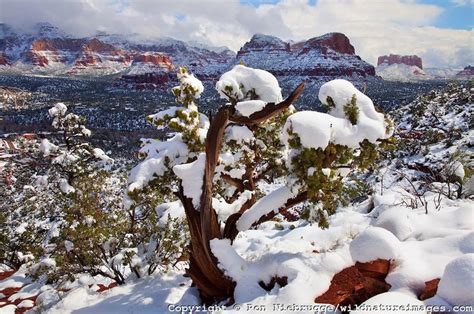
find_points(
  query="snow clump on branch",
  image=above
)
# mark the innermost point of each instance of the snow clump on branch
(243, 83)
(352, 118)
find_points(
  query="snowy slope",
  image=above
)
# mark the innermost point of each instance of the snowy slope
(401, 72)
(415, 218)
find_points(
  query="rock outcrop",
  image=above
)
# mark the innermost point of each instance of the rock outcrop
(356, 284)
(401, 68)
(397, 59)
(467, 73)
(100, 57)
(330, 55)
(148, 70)
(3, 59)
(49, 51)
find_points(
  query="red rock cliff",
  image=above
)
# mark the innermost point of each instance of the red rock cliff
(397, 59)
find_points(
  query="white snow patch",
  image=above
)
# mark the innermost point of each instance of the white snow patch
(65, 187)
(241, 80)
(192, 175)
(393, 299)
(457, 284)
(271, 202)
(248, 107)
(374, 243)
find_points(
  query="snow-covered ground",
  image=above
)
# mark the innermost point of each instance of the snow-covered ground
(419, 245)
(401, 72)
(419, 223)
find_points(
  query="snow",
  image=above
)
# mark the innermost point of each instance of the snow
(458, 170)
(248, 107)
(169, 210)
(391, 302)
(401, 72)
(68, 245)
(170, 112)
(144, 172)
(100, 154)
(25, 303)
(173, 150)
(46, 147)
(224, 209)
(9, 309)
(239, 133)
(189, 80)
(317, 130)
(457, 284)
(191, 175)
(65, 187)
(151, 295)
(267, 204)
(41, 181)
(241, 80)
(58, 109)
(396, 220)
(374, 243)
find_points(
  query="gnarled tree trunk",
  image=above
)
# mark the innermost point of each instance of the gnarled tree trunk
(204, 226)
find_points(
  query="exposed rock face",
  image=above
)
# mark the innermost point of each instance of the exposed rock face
(101, 57)
(401, 72)
(157, 59)
(149, 70)
(333, 41)
(356, 284)
(397, 59)
(3, 59)
(467, 73)
(205, 63)
(261, 42)
(330, 55)
(49, 51)
(45, 51)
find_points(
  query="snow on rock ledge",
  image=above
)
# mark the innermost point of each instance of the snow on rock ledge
(374, 243)
(242, 80)
(457, 284)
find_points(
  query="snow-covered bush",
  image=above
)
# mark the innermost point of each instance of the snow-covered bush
(432, 141)
(324, 148)
(68, 206)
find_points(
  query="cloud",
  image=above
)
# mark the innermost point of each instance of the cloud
(462, 2)
(375, 27)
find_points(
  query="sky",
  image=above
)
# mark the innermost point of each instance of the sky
(439, 31)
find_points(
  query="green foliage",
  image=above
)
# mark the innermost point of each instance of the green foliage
(351, 110)
(317, 172)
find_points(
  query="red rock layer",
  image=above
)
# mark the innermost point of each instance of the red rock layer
(356, 284)
(397, 59)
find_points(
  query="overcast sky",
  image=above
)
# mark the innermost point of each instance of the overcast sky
(440, 31)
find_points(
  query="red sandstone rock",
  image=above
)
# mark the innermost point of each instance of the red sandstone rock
(397, 59)
(156, 59)
(431, 287)
(356, 284)
(337, 42)
(96, 45)
(3, 59)
(468, 72)
(331, 55)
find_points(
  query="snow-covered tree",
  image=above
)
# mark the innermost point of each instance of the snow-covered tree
(214, 167)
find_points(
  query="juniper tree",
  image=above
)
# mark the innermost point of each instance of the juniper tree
(255, 136)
